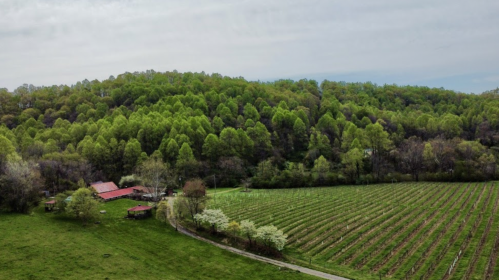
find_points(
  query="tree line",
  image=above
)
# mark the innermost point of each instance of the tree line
(281, 134)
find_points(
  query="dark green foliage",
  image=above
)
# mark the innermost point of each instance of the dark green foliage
(210, 124)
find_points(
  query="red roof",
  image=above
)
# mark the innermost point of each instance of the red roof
(50, 202)
(119, 193)
(140, 208)
(104, 187)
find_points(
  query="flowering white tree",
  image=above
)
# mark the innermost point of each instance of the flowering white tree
(248, 229)
(214, 217)
(271, 236)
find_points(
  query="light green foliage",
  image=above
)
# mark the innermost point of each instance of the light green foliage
(100, 250)
(234, 228)
(185, 155)
(131, 155)
(248, 229)
(251, 113)
(321, 168)
(353, 162)
(162, 212)
(83, 206)
(116, 124)
(6, 147)
(60, 201)
(211, 147)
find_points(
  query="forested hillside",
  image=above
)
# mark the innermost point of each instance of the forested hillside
(279, 134)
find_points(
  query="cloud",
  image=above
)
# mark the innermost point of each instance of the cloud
(55, 42)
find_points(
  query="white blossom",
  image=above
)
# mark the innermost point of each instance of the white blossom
(270, 235)
(214, 217)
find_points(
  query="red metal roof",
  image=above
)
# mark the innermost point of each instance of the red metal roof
(50, 202)
(140, 208)
(117, 193)
(104, 187)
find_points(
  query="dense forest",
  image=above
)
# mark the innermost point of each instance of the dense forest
(268, 134)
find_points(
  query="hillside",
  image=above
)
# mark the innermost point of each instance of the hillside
(281, 134)
(48, 246)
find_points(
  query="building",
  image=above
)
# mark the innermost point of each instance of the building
(101, 187)
(139, 212)
(131, 192)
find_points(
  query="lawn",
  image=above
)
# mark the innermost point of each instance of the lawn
(49, 246)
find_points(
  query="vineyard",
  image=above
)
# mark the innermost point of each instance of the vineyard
(400, 231)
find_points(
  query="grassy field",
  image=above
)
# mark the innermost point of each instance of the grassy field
(405, 230)
(47, 246)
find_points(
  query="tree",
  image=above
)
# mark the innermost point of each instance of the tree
(270, 236)
(186, 161)
(60, 200)
(232, 170)
(488, 165)
(20, 186)
(129, 181)
(131, 155)
(6, 147)
(153, 173)
(215, 218)
(229, 141)
(83, 206)
(300, 134)
(353, 162)
(261, 140)
(250, 112)
(321, 168)
(319, 145)
(162, 212)
(194, 198)
(411, 153)
(380, 143)
(248, 229)
(211, 147)
(428, 157)
(234, 228)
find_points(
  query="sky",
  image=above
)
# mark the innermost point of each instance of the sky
(452, 44)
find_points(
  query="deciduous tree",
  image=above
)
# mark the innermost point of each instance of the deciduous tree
(83, 206)
(270, 236)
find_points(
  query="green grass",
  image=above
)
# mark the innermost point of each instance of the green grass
(48, 246)
(222, 191)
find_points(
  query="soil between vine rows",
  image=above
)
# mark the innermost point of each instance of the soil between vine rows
(402, 230)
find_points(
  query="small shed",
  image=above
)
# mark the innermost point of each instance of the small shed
(139, 212)
(49, 206)
(171, 192)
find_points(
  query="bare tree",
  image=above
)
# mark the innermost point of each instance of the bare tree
(194, 197)
(411, 153)
(153, 173)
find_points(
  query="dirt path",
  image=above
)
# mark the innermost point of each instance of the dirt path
(309, 271)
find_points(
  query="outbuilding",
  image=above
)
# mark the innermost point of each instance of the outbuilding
(49, 206)
(139, 212)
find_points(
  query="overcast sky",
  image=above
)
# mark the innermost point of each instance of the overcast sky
(439, 43)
